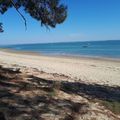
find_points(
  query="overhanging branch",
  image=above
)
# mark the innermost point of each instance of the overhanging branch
(19, 14)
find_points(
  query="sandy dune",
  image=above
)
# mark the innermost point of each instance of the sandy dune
(100, 71)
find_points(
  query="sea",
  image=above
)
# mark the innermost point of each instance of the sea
(109, 48)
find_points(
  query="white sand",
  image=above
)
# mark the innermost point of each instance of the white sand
(100, 71)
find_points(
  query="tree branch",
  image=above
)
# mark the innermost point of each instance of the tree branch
(19, 14)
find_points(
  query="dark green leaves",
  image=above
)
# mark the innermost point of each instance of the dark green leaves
(48, 12)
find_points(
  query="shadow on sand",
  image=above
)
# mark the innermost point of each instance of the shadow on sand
(89, 91)
(43, 106)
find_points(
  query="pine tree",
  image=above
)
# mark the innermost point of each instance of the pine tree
(48, 12)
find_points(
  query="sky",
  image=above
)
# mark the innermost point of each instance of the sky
(87, 20)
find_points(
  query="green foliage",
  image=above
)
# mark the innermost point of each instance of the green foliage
(114, 106)
(48, 12)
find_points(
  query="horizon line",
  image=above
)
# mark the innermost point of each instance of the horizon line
(60, 42)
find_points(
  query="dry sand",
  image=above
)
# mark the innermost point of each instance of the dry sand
(36, 88)
(89, 70)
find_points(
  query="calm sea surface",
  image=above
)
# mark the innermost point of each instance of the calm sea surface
(93, 48)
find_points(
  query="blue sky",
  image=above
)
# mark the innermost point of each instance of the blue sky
(87, 20)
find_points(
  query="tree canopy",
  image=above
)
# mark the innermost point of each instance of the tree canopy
(48, 12)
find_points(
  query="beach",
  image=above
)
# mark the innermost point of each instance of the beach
(65, 64)
(58, 87)
(82, 69)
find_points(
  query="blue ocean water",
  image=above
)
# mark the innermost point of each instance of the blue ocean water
(110, 48)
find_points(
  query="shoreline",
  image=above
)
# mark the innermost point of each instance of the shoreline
(88, 70)
(59, 56)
